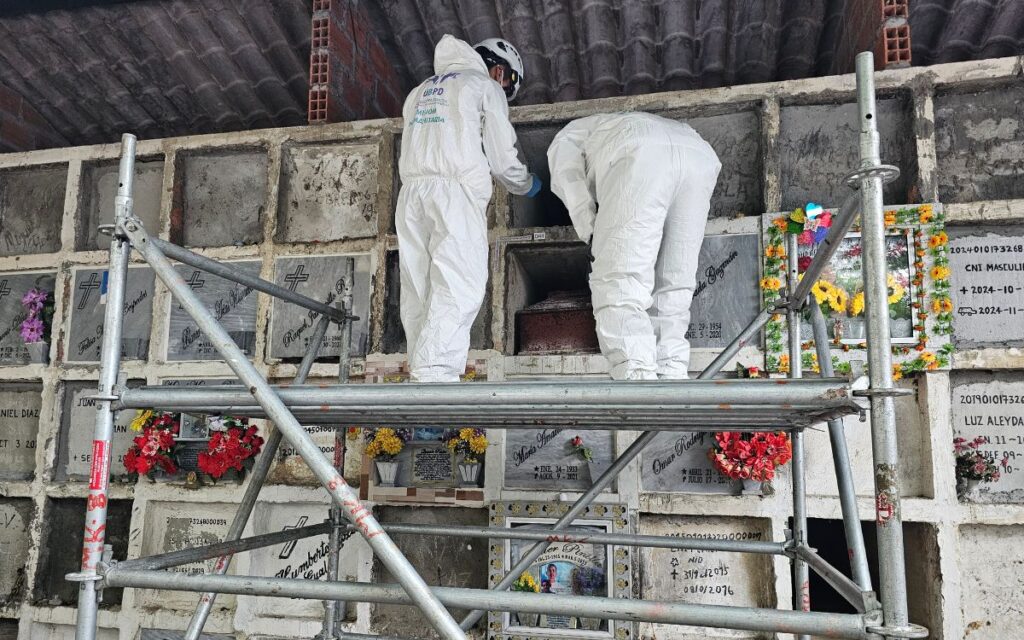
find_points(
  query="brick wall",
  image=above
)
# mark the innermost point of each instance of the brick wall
(350, 76)
(879, 26)
(21, 126)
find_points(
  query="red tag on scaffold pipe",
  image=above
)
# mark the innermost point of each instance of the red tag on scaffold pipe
(100, 465)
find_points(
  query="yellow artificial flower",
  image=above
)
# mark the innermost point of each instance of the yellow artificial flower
(940, 273)
(928, 356)
(938, 240)
(770, 283)
(896, 290)
(140, 420)
(890, 218)
(926, 214)
(478, 444)
(784, 363)
(781, 223)
(822, 290)
(897, 372)
(947, 305)
(857, 304)
(932, 366)
(838, 299)
(466, 433)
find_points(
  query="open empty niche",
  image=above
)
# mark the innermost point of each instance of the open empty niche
(545, 210)
(536, 272)
(393, 340)
(63, 526)
(921, 554)
(96, 199)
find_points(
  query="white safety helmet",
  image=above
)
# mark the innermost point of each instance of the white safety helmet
(500, 51)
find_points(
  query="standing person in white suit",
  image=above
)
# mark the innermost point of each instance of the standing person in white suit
(638, 189)
(457, 135)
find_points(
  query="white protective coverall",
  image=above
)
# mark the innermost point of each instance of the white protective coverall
(457, 134)
(653, 178)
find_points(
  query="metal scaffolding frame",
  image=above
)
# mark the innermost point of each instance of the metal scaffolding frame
(649, 407)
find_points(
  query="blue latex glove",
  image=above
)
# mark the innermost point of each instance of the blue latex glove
(535, 189)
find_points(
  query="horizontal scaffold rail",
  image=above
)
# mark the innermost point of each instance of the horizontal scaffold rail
(693, 405)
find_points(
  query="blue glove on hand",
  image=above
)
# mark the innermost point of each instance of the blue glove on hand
(535, 188)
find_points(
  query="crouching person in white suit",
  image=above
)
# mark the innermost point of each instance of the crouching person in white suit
(638, 189)
(457, 135)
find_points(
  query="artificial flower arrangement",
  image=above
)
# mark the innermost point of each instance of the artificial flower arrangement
(385, 443)
(468, 442)
(526, 583)
(233, 444)
(750, 456)
(576, 446)
(39, 306)
(915, 310)
(971, 463)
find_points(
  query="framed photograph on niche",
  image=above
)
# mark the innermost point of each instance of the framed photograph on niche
(567, 567)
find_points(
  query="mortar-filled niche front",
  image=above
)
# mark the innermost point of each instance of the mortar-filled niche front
(547, 300)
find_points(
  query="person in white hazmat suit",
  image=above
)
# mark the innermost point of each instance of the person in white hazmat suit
(638, 189)
(457, 135)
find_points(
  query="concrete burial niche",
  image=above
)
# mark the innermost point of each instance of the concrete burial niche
(978, 137)
(96, 200)
(705, 577)
(63, 525)
(393, 340)
(546, 209)
(77, 421)
(992, 580)
(8, 629)
(20, 404)
(31, 209)
(534, 272)
(170, 634)
(442, 561)
(328, 192)
(45, 631)
(219, 197)
(819, 144)
(15, 520)
(921, 553)
(912, 438)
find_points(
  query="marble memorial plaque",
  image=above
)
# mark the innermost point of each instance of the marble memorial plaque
(87, 315)
(78, 422)
(290, 468)
(19, 429)
(174, 526)
(320, 278)
(678, 461)
(987, 285)
(991, 405)
(12, 287)
(232, 305)
(305, 558)
(727, 297)
(431, 464)
(543, 458)
(990, 558)
(705, 577)
(15, 517)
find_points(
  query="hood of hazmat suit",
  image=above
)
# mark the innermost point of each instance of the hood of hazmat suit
(457, 135)
(638, 188)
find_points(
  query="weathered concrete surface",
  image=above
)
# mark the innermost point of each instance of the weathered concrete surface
(223, 196)
(63, 523)
(8, 629)
(978, 142)
(41, 631)
(533, 272)
(448, 562)
(96, 201)
(704, 577)
(31, 209)
(992, 581)
(328, 192)
(15, 519)
(819, 144)
(393, 340)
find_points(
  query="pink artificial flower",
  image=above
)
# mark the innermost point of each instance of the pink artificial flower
(32, 329)
(805, 238)
(34, 298)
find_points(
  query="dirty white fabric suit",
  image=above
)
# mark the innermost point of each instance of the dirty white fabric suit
(457, 134)
(639, 187)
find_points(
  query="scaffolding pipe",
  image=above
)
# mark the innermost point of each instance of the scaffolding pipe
(889, 527)
(228, 272)
(801, 574)
(830, 625)
(841, 462)
(339, 490)
(252, 490)
(835, 578)
(94, 535)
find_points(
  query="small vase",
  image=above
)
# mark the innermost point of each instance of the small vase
(853, 328)
(751, 487)
(387, 471)
(38, 352)
(596, 469)
(901, 327)
(527, 619)
(967, 489)
(469, 474)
